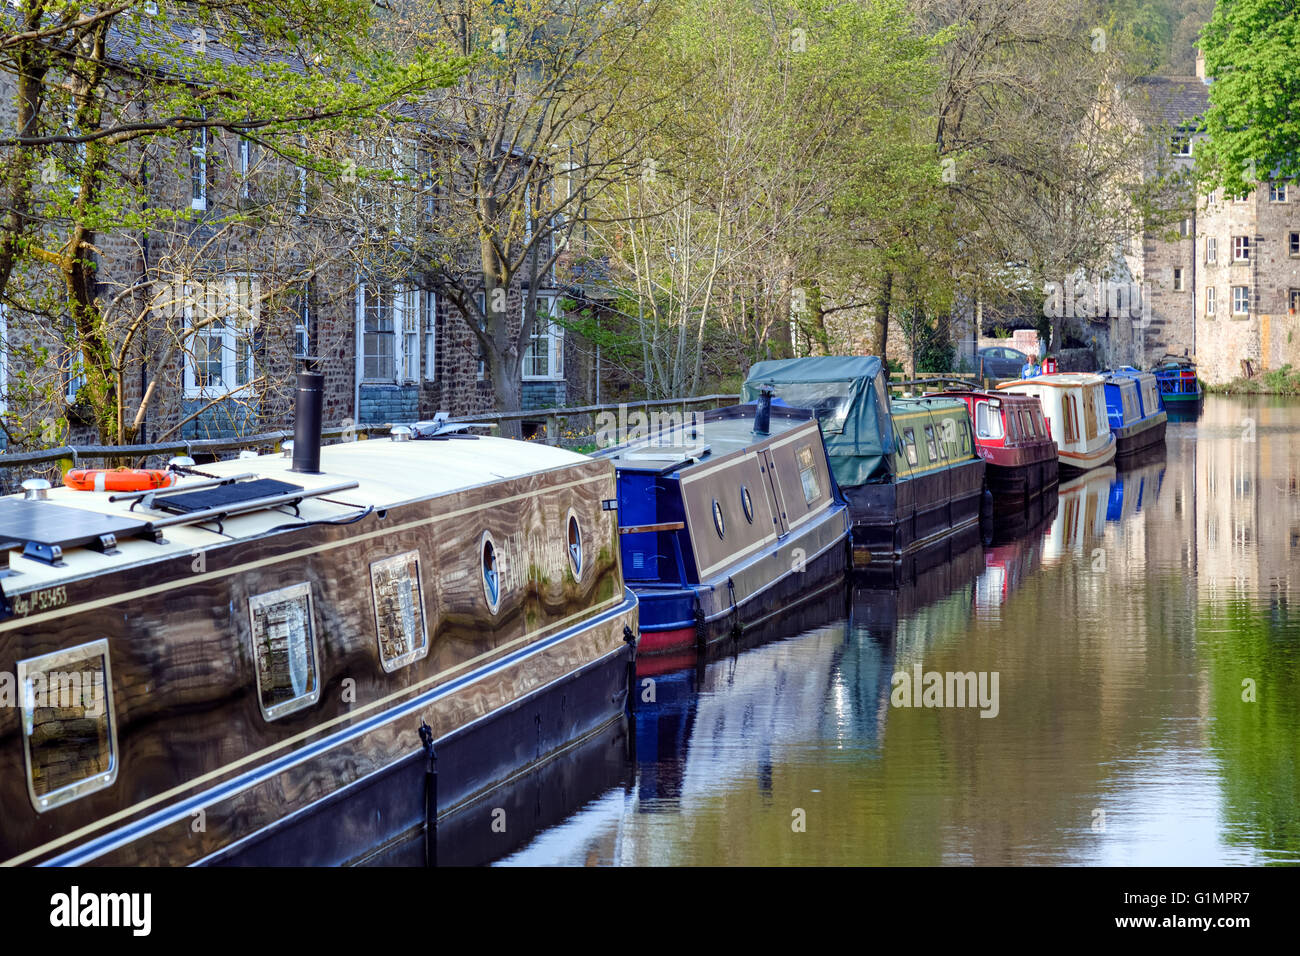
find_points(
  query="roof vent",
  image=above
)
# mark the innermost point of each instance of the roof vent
(36, 489)
(287, 447)
(400, 433)
(180, 463)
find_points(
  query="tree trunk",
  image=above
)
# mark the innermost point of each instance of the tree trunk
(880, 326)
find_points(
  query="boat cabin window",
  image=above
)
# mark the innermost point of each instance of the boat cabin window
(719, 523)
(909, 445)
(747, 503)
(69, 728)
(491, 576)
(1071, 410)
(930, 444)
(284, 650)
(1013, 425)
(830, 401)
(575, 545)
(1129, 398)
(988, 421)
(808, 474)
(399, 610)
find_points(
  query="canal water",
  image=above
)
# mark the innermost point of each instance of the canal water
(1146, 708)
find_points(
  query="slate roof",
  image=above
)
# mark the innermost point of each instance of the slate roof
(1173, 101)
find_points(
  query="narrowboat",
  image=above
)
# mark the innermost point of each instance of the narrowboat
(1074, 404)
(303, 659)
(1011, 436)
(724, 520)
(1134, 410)
(907, 467)
(1180, 389)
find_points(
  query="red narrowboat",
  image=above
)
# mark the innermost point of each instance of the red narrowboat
(1014, 439)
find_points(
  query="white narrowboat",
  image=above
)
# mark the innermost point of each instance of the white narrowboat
(1074, 404)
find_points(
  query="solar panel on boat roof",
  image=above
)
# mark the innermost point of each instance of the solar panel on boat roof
(236, 493)
(56, 525)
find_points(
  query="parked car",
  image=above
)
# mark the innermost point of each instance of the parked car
(999, 362)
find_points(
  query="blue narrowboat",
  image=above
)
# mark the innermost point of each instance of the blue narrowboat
(908, 467)
(1180, 389)
(724, 519)
(1134, 410)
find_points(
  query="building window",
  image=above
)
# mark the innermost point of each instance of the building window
(4, 359)
(1181, 144)
(221, 316)
(1293, 302)
(1184, 228)
(1210, 295)
(480, 299)
(1277, 192)
(1293, 244)
(74, 374)
(429, 327)
(302, 321)
(199, 168)
(545, 356)
(245, 165)
(1178, 280)
(1240, 300)
(1241, 248)
(1211, 249)
(1241, 197)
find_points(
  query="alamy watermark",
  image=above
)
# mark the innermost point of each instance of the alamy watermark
(1078, 298)
(949, 689)
(655, 429)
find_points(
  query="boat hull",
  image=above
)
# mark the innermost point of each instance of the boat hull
(893, 519)
(803, 565)
(1141, 435)
(1073, 464)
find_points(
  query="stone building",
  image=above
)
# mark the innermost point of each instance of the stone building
(1224, 286)
(262, 266)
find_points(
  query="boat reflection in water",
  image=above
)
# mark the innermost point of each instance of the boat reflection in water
(1080, 515)
(730, 729)
(1136, 486)
(1009, 561)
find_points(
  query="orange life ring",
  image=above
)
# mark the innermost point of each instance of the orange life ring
(118, 479)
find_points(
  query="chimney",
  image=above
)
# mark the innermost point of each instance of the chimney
(307, 419)
(763, 413)
(1200, 67)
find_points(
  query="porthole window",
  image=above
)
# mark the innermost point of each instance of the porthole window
(718, 521)
(575, 545)
(69, 728)
(284, 650)
(491, 574)
(399, 610)
(747, 503)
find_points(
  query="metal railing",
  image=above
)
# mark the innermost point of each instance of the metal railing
(51, 462)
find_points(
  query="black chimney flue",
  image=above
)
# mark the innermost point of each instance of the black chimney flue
(307, 419)
(763, 414)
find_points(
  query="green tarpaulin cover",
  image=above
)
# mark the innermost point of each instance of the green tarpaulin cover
(850, 396)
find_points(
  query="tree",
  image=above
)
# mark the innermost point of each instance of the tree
(1252, 51)
(522, 147)
(109, 99)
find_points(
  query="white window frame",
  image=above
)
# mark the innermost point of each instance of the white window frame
(231, 329)
(1211, 296)
(1184, 228)
(302, 322)
(552, 334)
(1182, 143)
(199, 153)
(1293, 244)
(245, 165)
(1245, 290)
(406, 313)
(429, 329)
(1277, 192)
(480, 299)
(1178, 280)
(1293, 301)
(1241, 248)
(1211, 249)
